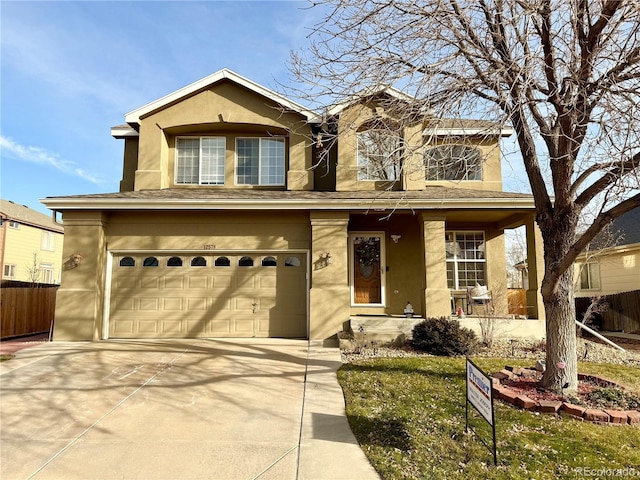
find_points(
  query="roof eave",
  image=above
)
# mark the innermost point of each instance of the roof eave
(62, 204)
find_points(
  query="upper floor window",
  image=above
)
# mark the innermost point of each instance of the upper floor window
(379, 153)
(48, 241)
(200, 160)
(260, 161)
(590, 276)
(453, 162)
(13, 224)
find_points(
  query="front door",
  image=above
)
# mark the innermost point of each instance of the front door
(367, 271)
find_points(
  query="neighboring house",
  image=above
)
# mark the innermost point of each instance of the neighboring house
(30, 245)
(615, 269)
(228, 222)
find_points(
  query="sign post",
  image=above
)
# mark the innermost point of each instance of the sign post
(480, 396)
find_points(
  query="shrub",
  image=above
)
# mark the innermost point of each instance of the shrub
(443, 336)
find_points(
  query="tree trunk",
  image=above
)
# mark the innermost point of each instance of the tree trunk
(562, 362)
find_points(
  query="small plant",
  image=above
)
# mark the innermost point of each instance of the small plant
(443, 336)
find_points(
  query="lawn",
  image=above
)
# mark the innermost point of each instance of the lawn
(409, 416)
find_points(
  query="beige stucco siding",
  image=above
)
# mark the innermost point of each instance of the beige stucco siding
(223, 109)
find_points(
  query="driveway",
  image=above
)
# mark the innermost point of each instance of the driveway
(176, 409)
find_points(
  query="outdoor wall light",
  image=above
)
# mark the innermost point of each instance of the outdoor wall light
(328, 258)
(395, 238)
(76, 259)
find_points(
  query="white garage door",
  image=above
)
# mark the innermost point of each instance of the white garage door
(224, 295)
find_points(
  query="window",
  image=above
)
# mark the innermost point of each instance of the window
(200, 161)
(198, 262)
(453, 162)
(174, 262)
(9, 271)
(269, 262)
(246, 262)
(466, 262)
(292, 262)
(222, 262)
(150, 262)
(48, 241)
(14, 224)
(260, 161)
(378, 155)
(46, 270)
(127, 262)
(590, 276)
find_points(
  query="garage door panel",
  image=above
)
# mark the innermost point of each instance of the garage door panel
(173, 282)
(197, 281)
(172, 304)
(150, 282)
(209, 300)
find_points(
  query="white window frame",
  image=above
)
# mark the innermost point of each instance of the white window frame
(438, 168)
(383, 269)
(47, 273)
(591, 279)
(14, 224)
(390, 161)
(215, 162)
(456, 261)
(48, 241)
(9, 271)
(261, 161)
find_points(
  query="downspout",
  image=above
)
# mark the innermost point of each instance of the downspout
(596, 334)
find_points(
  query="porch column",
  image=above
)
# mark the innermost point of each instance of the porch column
(329, 295)
(437, 296)
(79, 301)
(535, 266)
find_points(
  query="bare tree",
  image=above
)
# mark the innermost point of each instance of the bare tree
(565, 74)
(34, 271)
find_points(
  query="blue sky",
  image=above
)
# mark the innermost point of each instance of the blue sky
(71, 70)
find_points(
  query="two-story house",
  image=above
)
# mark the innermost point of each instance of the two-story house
(244, 214)
(30, 245)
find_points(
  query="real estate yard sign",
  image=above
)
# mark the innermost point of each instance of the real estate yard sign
(480, 396)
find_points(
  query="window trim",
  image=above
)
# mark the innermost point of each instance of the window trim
(465, 177)
(282, 139)
(398, 153)
(12, 270)
(47, 269)
(13, 224)
(456, 261)
(587, 267)
(48, 241)
(199, 138)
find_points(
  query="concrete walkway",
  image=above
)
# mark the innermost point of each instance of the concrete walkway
(176, 409)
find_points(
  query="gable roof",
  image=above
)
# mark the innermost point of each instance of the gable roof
(10, 211)
(134, 116)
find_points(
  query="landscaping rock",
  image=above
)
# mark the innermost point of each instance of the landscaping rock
(616, 416)
(593, 415)
(573, 410)
(525, 402)
(549, 406)
(633, 417)
(541, 365)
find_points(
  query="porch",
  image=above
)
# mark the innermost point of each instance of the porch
(395, 329)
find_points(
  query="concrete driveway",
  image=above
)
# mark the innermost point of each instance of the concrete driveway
(176, 409)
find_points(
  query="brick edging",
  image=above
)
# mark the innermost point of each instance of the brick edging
(554, 407)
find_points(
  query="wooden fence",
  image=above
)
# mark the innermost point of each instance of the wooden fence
(26, 310)
(622, 312)
(517, 298)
